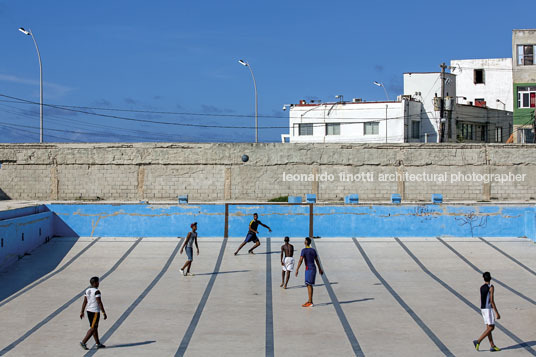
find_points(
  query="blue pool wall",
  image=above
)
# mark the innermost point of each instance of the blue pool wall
(329, 221)
(22, 234)
(137, 220)
(42, 222)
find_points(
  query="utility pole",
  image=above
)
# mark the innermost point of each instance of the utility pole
(534, 126)
(386, 121)
(442, 104)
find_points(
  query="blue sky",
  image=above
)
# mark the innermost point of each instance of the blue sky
(181, 57)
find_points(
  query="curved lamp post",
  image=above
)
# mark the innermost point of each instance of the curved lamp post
(30, 33)
(246, 64)
(385, 90)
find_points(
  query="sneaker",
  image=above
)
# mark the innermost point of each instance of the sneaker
(251, 252)
(190, 274)
(475, 342)
(100, 345)
(183, 272)
(494, 349)
(308, 304)
(83, 345)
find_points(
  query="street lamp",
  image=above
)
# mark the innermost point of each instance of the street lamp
(30, 33)
(460, 96)
(385, 90)
(246, 64)
(285, 106)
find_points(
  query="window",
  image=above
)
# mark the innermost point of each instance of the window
(482, 133)
(526, 97)
(498, 134)
(525, 136)
(415, 129)
(467, 131)
(305, 129)
(372, 128)
(333, 129)
(525, 55)
(478, 76)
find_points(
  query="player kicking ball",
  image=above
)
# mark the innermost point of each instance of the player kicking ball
(252, 234)
(309, 255)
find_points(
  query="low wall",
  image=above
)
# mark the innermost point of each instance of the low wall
(21, 235)
(296, 220)
(136, 220)
(216, 172)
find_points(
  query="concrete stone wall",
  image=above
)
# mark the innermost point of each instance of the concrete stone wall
(215, 172)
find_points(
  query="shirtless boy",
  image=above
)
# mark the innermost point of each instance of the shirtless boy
(287, 261)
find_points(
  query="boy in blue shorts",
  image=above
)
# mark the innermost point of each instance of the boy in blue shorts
(311, 257)
(188, 245)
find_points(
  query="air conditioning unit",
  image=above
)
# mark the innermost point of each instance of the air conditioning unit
(480, 103)
(357, 100)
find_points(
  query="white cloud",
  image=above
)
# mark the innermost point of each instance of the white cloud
(52, 90)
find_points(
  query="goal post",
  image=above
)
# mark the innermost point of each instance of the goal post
(285, 219)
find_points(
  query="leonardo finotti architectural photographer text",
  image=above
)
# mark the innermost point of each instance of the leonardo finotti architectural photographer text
(370, 176)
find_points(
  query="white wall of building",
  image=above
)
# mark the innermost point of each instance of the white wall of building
(498, 83)
(414, 118)
(424, 87)
(391, 117)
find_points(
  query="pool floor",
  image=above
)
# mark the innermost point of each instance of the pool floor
(378, 297)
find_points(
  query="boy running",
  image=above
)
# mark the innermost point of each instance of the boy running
(309, 255)
(287, 261)
(191, 238)
(93, 305)
(252, 234)
(488, 307)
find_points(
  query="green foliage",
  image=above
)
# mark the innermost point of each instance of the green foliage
(279, 199)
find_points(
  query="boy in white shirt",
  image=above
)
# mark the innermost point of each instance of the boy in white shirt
(93, 305)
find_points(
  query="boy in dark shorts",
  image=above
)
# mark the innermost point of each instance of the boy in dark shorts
(93, 305)
(311, 257)
(188, 245)
(488, 308)
(252, 234)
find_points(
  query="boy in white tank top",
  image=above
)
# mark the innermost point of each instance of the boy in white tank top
(94, 307)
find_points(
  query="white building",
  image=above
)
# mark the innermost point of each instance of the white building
(485, 82)
(416, 117)
(426, 88)
(355, 122)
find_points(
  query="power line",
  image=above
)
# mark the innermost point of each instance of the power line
(361, 120)
(73, 108)
(14, 127)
